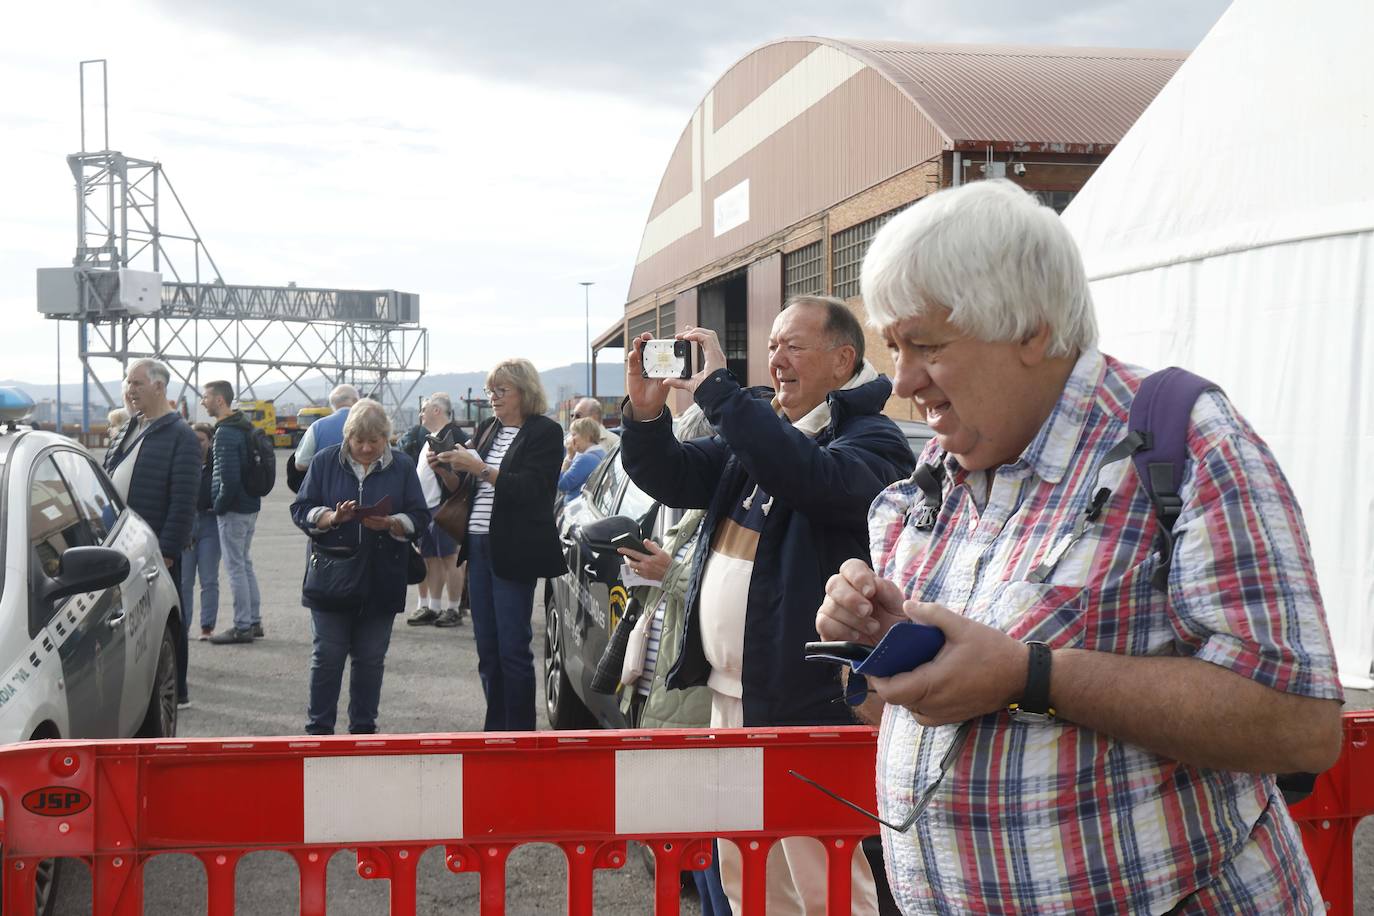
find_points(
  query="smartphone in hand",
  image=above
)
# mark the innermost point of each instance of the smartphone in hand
(907, 646)
(667, 359)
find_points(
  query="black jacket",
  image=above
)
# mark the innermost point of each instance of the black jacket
(821, 490)
(331, 480)
(231, 448)
(524, 536)
(165, 480)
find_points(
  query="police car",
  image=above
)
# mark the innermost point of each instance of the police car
(87, 607)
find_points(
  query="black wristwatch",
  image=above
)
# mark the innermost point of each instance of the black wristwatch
(1034, 705)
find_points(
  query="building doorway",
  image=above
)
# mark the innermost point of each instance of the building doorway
(723, 306)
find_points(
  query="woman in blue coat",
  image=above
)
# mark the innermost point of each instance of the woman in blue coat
(359, 473)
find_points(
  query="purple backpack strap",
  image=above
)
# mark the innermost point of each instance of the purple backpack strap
(1159, 416)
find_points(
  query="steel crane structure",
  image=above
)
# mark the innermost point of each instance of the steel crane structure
(136, 289)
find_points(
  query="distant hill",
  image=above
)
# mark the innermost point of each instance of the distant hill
(560, 383)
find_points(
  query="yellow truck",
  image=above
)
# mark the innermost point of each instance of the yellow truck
(287, 432)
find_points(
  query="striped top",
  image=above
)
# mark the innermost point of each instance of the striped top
(479, 522)
(1053, 818)
(646, 678)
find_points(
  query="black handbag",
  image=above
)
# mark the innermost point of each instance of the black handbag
(338, 578)
(415, 565)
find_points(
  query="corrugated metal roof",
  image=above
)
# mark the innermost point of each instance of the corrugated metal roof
(1074, 99)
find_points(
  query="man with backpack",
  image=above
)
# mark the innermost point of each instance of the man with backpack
(1134, 639)
(236, 491)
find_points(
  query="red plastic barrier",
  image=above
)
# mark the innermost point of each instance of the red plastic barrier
(1342, 796)
(116, 804)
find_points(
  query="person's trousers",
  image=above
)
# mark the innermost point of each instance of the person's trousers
(797, 866)
(339, 635)
(201, 560)
(183, 642)
(236, 543)
(502, 611)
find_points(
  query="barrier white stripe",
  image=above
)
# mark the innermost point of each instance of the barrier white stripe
(372, 799)
(693, 790)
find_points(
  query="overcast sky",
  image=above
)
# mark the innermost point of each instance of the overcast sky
(487, 157)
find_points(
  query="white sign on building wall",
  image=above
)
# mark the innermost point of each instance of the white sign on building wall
(732, 208)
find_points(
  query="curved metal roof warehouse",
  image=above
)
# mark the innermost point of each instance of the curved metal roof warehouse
(803, 148)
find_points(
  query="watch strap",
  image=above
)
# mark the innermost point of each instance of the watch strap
(1035, 699)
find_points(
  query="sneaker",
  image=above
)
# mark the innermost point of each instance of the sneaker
(184, 703)
(423, 617)
(232, 636)
(206, 633)
(257, 631)
(462, 614)
(448, 617)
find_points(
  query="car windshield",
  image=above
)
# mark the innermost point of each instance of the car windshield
(4, 498)
(636, 503)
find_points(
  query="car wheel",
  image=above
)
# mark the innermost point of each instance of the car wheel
(160, 721)
(565, 709)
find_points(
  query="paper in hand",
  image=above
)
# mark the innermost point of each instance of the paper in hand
(381, 510)
(629, 578)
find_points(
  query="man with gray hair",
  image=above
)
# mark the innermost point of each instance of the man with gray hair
(154, 463)
(326, 431)
(1101, 729)
(591, 407)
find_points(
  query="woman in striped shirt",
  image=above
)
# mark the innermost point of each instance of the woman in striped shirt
(512, 540)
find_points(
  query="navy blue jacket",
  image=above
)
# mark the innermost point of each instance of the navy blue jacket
(331, 480)
(233, 439)
(165, 481)
(821, 488)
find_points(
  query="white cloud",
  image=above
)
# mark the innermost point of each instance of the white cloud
(487, 161)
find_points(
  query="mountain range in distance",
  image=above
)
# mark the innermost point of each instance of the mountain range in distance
(560, 384)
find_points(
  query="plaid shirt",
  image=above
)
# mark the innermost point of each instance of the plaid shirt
(1055, 818)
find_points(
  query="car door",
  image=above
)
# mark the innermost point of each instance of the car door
(591, 602)
(99, 504)
(87, 629)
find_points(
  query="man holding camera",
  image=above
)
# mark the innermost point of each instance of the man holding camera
(786, 483)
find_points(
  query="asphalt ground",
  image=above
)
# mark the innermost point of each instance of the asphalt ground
(431, 685)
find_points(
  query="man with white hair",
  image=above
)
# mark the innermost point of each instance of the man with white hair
(326, 431)
(1091, 737)
(154, 463)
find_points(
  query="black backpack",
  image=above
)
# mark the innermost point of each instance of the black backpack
(260, 473)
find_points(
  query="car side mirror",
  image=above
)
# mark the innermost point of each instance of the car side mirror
(606, 535)
(85, 569)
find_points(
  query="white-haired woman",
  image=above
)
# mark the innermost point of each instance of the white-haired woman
(587, 455)
(342, 481)
(512, 540)
(442, 572)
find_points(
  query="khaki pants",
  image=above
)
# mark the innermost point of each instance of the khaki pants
(796, 865)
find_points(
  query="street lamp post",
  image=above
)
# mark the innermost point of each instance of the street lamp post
(587, 312)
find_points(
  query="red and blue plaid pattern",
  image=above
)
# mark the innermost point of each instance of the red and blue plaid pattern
(1055, 818)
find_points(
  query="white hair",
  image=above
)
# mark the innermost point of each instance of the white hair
(1003, 264)
(443, 400)
(343, 396)
(157, 370)
(367, 419)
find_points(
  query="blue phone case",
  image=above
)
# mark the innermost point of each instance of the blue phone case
(906, 645)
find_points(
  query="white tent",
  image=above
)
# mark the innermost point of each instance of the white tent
(1231, 232)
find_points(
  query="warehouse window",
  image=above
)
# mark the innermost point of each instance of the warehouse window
(1056, 200)
(638, 324)
(667, 319)
(847, 253)
(803, 272)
